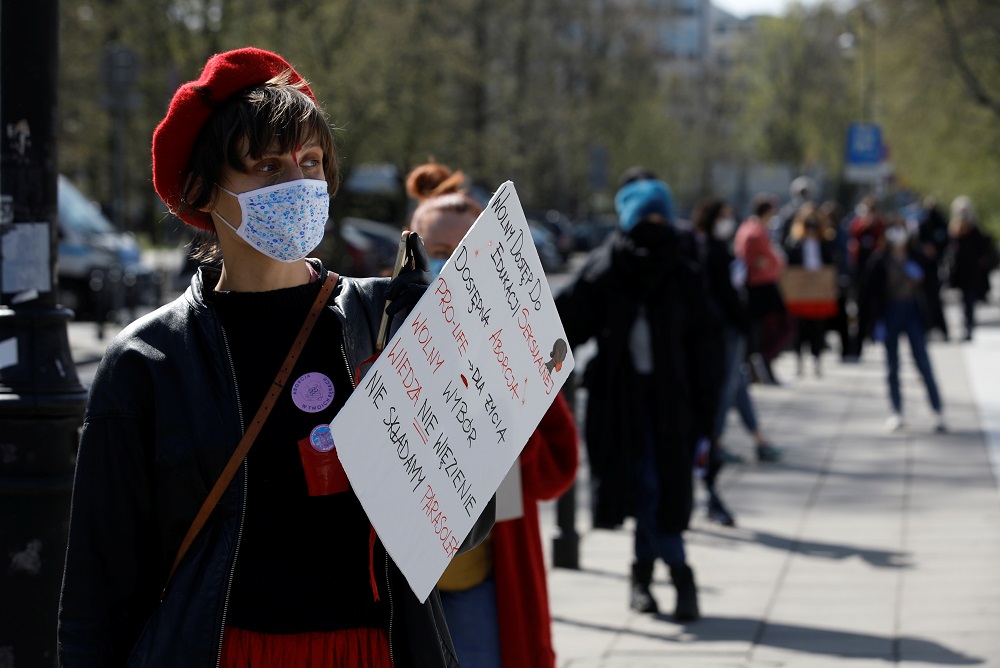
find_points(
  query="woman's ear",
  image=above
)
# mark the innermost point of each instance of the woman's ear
(193, 191)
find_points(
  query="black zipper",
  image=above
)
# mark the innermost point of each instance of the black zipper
(243, 507)
(388, 588)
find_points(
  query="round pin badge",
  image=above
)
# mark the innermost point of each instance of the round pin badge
(313, 392)
(321, 438)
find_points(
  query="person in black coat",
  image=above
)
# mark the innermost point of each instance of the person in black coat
(284, 566)
(970, 256)
(932, 232)
(652, 385)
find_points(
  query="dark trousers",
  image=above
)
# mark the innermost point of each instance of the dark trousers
(900, 317)
(651, 542)
(811, 332)
(969, 299)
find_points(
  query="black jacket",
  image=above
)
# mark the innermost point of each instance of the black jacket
(650, 267)
(969, 260)
(163, 418)
(730, 301)
(827, 252)
(875, 280)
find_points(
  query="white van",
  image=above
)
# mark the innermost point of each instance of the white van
(100, 268)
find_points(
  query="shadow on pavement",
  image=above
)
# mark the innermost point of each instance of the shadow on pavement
(811, 548)
(796, 638)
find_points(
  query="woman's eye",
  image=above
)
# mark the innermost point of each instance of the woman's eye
(310, 163)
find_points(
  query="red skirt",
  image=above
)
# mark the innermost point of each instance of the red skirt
(360, 648)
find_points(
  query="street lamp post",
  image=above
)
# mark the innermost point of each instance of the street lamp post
(864, 161)
(41, 398)
(863, 40)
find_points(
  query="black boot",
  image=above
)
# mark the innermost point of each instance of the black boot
(641, 598)
(687, 593)
(717, 511)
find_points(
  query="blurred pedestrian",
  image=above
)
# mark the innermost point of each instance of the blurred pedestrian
(972, 256)
(652, 385)
(802, 190)
(811, 246)
(770, 326)
(495, 597)
(866, 233)
(186, 547)
(725, 277)
(896, 304)
(832, 215)
(932, 231)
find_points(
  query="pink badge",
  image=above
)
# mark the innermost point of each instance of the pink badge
(313, 392)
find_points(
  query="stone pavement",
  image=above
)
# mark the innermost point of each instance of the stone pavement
(861, 548)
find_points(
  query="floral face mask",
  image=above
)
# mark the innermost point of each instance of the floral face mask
(285, 222)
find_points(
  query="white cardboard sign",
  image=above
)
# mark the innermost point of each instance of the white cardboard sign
(439, 419)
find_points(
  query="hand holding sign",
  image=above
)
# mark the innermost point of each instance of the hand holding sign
(442, 415)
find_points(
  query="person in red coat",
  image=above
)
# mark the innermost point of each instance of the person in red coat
(495, 597)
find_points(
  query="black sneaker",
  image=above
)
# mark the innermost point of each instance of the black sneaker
(717, 511)
(729, 457)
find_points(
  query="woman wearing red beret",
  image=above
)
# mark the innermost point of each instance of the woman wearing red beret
(187, 547)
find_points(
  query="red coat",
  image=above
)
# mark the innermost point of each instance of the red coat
(548, 468)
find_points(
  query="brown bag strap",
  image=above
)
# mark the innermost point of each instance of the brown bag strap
(258, 421)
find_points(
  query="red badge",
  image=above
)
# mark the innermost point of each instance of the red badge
(324, 472)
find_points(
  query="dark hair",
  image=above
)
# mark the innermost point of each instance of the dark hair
(706, 213)
(636, 173)
(761, 204)
(275, 116)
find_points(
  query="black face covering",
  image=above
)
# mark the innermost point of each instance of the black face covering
(648, 251)
(648, 234)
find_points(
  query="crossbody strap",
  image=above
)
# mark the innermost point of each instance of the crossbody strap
(255, 425)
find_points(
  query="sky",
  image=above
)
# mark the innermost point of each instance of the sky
(747, 7)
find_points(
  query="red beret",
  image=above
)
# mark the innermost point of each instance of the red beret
(225, 74)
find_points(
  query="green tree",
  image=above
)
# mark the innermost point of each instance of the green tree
(799, 92)
(944, 129)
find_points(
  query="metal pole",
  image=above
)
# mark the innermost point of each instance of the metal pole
(41, 399)
(566, 543)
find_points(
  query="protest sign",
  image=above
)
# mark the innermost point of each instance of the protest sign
(439, 419)
(510, 502)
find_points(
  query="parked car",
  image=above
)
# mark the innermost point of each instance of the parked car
(545, 245)
(100, 268)
(373, 191)
(559, 227)
(380, 242)
(359, 247)
(589, 234)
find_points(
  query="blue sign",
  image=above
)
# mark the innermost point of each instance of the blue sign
(864, 144)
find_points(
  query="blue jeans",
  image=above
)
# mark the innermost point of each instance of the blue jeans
(904, 316)
(651, 542)
(735, 387)
(472, 621)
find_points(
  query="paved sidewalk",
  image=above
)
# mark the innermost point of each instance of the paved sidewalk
(862, 548)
